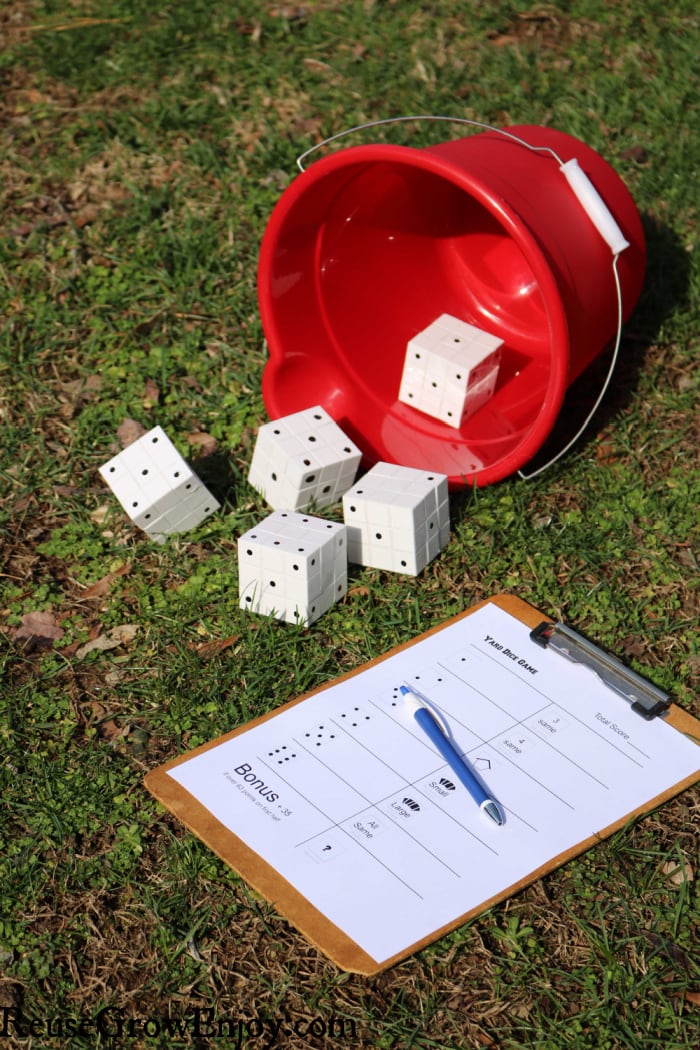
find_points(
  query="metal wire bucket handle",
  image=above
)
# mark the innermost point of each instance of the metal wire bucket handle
(587, 196)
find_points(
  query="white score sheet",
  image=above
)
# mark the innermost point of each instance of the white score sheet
(346, 798)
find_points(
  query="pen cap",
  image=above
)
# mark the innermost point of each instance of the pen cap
(371, 244)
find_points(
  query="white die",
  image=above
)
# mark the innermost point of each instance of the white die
(302, 460)
(450, 370)
(292, 566)
(397, 518)
(156, 487)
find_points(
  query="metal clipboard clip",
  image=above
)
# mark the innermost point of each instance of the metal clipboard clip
(646, 699)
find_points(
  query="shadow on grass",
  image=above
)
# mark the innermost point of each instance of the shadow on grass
(220, 474)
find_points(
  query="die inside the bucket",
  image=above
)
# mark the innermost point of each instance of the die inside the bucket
(450, 370)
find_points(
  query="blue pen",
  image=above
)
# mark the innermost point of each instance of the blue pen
(430, 722)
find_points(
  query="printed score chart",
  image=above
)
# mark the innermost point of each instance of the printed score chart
(344, 796)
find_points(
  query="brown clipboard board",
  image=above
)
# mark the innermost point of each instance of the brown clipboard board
(288, 901)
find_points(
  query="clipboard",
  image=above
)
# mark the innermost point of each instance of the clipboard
(313, 921)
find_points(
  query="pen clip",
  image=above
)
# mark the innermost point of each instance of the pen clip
(645, 698)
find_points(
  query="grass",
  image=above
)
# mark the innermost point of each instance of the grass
(143, 149)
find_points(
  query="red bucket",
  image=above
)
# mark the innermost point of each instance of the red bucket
(371, 244)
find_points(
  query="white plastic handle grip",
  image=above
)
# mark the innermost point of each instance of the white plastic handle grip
(594, 206)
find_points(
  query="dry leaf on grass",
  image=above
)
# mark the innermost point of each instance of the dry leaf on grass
(101, 587)
(204, 442)
(209, 649)
(40, 628)
(100, 514)
(122, 635)
(678, 872)
(112, 732)
(316, 66)
(129, 431)
(151, 393)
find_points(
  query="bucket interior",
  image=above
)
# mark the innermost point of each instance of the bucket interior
(387, 248)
